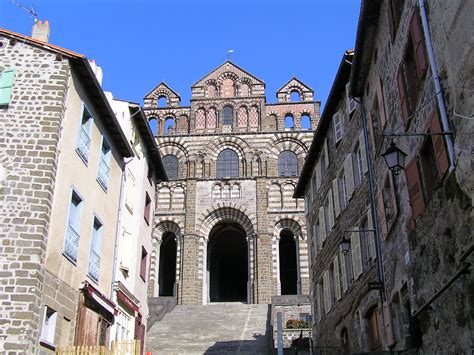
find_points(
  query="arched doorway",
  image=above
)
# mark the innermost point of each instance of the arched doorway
(288, 263)
(227, 263)
(167, 271)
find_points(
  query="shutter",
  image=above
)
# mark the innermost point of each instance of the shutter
(349, 173)
(356, 253)
(418, 44)
(393, 196)
(403, 95)
(370, 225)
(442, 161)
(335, 190)
(363, 152)
(331, 210)
(371, 134)
(381, 104)
(326, 155)
(391, 23)
(337, 122)
(343, 273)
(381, 212)
(318, 175)
(327, 299)
(414, 189)
(6, 86)
(318, 301)
(387, 317)
(322, 224)
(337, 284)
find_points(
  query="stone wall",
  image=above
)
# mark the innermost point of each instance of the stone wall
(30, 128)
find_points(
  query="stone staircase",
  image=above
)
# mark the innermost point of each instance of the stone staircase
(218, 328)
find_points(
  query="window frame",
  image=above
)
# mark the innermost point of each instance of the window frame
(287, 166)
(104, 161)
(227, 117)
(65, 253)
(96, 241)
(143, 262)
(170, 169)
(227, 167)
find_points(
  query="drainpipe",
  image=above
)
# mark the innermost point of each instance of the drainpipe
(439, 94)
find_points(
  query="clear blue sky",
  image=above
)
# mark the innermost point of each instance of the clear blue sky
(139, 43)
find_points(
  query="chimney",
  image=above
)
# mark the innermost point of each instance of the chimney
(41, 31)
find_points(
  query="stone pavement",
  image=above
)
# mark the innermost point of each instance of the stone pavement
(218, 328)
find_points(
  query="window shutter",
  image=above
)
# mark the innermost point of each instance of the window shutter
(322, 224)
(403, 95)
(363, 152)
(327, 299)
(387, 317)
(371, 134)
(337, 284)
(343, 273)
(351, 104)
(318, 301)
(414, 189)
(370, 225)
(335, 190)
(381, 104)
(349, 173)
(442, 161)
(356, 253)
(331, 210)
(326, 155)
(6, 86)
(381, 212)
(393, 196)
(418, 44)
(318, 175)
(337, 122)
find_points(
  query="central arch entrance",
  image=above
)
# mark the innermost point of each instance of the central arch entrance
(227, 263)
(167, 267)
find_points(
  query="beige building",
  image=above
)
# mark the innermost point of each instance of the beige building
(226, 225)
(134, 246)
(64, 163)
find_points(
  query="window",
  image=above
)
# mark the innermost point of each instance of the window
(349, 176)
(351, 103)
(328, 213)
(305, 122)
(124, 326)
(287, 163)
(171, 164)
(342, 185)
(367, 243)
(153, 123)
(337, 122)
(84, 140)
(347, 276)
(337, 284)
(289, 122)
(7, 77)
(356, 253)
(149, 173)
(227, 164)
(387, 204)
(360, 171)
(295, 96)
(104, 164)
(395, 9)
(71, 242)
(49, 325)
(373, 328)
(96, 245)
(143, 264)
(327, 292)
(147, 213)
(227, 116)
(169, 126)
(162, 102)
(412, 69)
(428, 168)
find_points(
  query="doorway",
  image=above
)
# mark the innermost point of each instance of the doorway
(167, 273)
(288, 264)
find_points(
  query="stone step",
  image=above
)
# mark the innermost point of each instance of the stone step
(217, 328)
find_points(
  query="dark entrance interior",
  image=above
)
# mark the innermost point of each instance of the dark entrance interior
(288, 271)
(227, 263)
(167, 274)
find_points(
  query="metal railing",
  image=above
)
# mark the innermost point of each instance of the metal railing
(83, 144)
(72, 243)
(94, 264)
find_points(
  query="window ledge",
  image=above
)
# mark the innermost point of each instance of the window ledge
(84, 160)
(47, 344)
(74, 262)
(101, 185)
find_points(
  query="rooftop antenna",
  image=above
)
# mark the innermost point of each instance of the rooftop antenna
(30, 10)
(228, 53)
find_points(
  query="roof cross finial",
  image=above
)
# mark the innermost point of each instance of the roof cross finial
(228, 53)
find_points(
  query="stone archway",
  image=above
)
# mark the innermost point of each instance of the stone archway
(167, 267)
(227, 263)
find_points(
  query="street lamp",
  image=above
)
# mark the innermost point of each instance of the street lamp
(345, 245)
(394, 158)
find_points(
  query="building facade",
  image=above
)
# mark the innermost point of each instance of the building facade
(227, 227)
(63, 156)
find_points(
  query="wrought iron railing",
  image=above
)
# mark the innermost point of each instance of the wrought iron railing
(104, 171)
(72, 243)
(94, 265)
(83, 144)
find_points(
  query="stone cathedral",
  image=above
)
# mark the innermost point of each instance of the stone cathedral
(226, 227)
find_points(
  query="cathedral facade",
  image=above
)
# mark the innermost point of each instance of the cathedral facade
(226, 227)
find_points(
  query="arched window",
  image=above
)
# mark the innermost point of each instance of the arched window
(153, 123)
(227, 115)
(162, 101)
(244, 90)
(227, 164)
(211, 91)
(289, 122)
(228, 88)
(169, 126)
(295, 96)
(287, 163)
(305, 122)
(171, 165)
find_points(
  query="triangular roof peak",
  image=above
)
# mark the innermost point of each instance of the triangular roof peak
(163, 88)
(228, 66)
(295, 82)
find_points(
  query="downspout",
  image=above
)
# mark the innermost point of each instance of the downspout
(439, 94)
